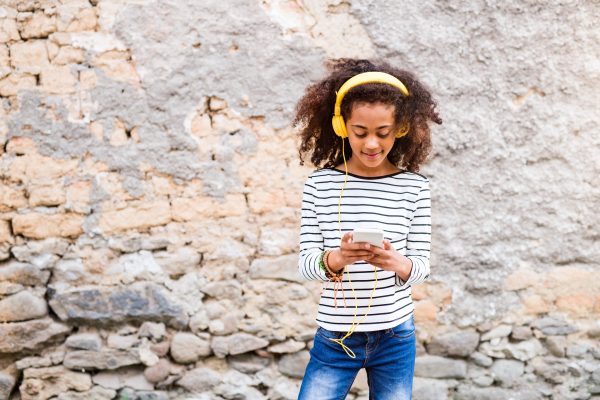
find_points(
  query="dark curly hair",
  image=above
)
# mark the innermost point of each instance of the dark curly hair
(314, 111)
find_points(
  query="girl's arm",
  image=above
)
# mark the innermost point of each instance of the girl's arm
(419, 239)
(311, 239)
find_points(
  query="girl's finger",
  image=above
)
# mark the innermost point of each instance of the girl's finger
(346, 238)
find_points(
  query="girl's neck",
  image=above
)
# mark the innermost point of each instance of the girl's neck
(358, 168)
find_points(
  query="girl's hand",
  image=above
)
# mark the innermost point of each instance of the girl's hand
(387, 258)
(349, 253)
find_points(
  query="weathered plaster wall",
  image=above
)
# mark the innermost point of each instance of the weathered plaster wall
(150, 192)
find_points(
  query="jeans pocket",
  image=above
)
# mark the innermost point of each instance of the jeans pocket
(327, 334)
(404, 330)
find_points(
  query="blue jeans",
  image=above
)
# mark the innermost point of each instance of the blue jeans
(387, 355)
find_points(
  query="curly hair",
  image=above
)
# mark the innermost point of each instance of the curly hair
(314, 111)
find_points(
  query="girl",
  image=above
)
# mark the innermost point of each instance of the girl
(370, 153)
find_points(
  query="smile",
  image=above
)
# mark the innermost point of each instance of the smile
(372, 156)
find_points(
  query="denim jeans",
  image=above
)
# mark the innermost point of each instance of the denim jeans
(388, 356)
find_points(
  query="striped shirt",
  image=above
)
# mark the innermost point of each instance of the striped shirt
(400, 205)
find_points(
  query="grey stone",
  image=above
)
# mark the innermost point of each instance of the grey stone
(494, 393)
(484, 381)
(34, 249)
(420, 349)
(552, 326)
(43, 383)
(577, 350)
(119, 342)
(506, 372)
(33, 335)
(84, 341)
(177, 264)
(8, 288)
(549, 368)
(34, 362)
(242, 343)
(230, 289)
(105, 306)
(22, 306)
(594, 333)
(158, 372)
(200, 380)
(109, 379)
(7, 383)
(596, 352)
(289, 346)
(459, 344)
(596, 376)
(154, 395)
(152, 330)
(428, 389)
(95, 393)
(224, 326)
(481, 359)
(24, 273)
(248, 363)
(556, 345)
(294, 364)
(439, 367)
(70, 271)
(160, 349)
(283, 268)
(188, 348)
(498, 332)
(524, 350)
(521, 333)
(220, 346)
(105, 359)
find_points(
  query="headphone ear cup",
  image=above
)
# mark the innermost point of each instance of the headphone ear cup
(339, 126)
(403, 130)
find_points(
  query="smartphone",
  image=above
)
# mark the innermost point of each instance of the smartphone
(372, 236)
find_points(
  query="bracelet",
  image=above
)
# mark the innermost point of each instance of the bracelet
(325, 257)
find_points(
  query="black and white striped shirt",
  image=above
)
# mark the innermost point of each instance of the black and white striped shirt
(400, 205)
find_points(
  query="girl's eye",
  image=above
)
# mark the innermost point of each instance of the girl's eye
(360, 136)
(384, 135)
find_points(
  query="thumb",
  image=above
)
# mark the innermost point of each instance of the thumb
(346, 238)
(387, 245)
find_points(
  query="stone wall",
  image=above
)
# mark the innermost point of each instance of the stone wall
(150, 193)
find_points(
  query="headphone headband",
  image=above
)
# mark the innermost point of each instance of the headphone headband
(366, 77)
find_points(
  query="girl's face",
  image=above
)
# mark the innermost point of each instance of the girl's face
(372, 131)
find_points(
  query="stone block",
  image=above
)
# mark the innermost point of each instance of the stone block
(117, 66)
(278, 242)
(29, 57)
(201, 208)
(552, 326)
(261, 202)
(7, 383)
(102, 306)
(283, 268)
(230, 289)
(577, 306)
(34, 362)
(141, 216)
(459, 344)
(43, 383)
(39, 226)
(187, 348)
(95, 393)
(289, 346)
(158, 372)
(69, 54)
(425, 311)
(8, 30)
(13, 83)
(240, 343)
(429, 389)
(521, 333)
(498, 332)
(86, 20)
(23, 273)
(22, 306)
(179, 263)
(35, 169)
(47, 196)
(10, 198)
(521, 279)
(84, 341)
(104, 359)
(57, 79)
(248, 363)
(160, 349)
(38, 25)
(200, 380)
(577, 350)
(88, 79)
(440, 367)
(535, 304)
(524, 350)
(152, 330)
(294, 365)
(5, 233)
(505, 372)
(220, 346)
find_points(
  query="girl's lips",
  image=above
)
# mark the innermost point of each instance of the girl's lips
(372, 156)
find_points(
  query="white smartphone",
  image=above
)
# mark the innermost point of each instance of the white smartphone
(372, 236)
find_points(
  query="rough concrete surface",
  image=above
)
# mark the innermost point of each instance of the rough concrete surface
(149, 175)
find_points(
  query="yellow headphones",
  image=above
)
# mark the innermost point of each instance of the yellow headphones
(339, 126)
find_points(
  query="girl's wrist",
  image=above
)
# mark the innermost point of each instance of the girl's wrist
(404, 269)
(334, 259)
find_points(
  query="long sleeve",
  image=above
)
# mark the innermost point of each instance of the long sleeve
(419, 239)
(311, 238)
